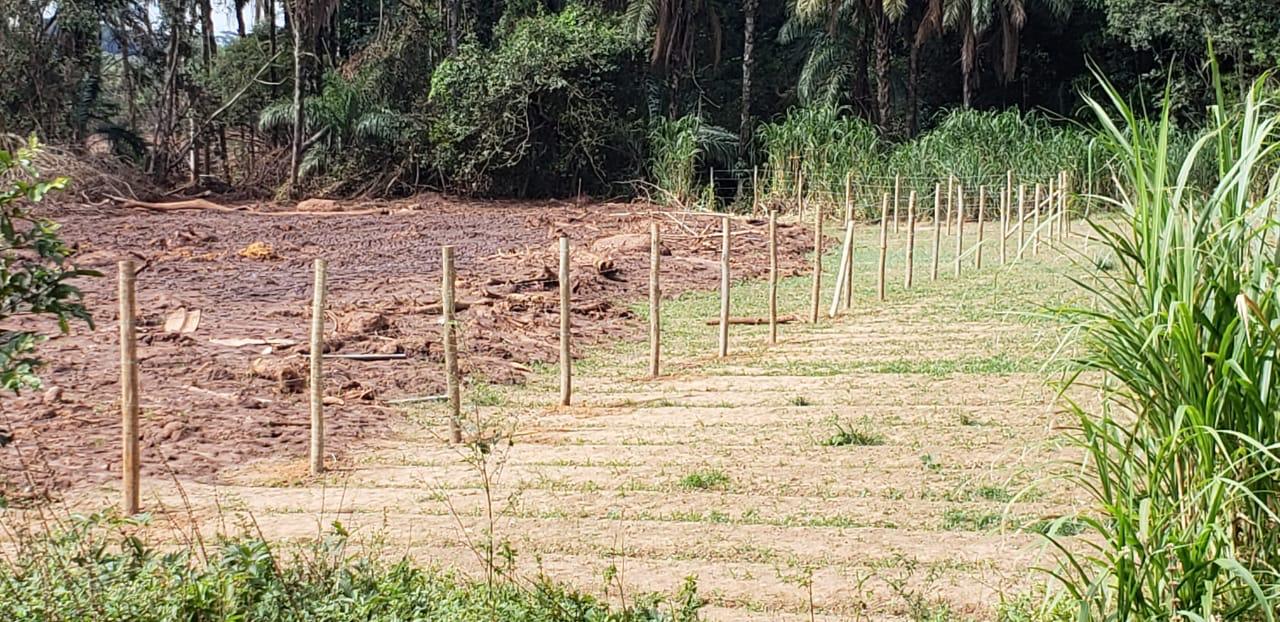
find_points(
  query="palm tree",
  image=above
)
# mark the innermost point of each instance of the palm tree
(929, 26)
(973, 19)
(309, 18)
(672, 28)
(748, 44)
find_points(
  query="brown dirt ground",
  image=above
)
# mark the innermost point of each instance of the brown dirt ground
(206, 408)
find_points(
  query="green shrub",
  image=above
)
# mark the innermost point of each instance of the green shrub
(35, 274)
(553, 101)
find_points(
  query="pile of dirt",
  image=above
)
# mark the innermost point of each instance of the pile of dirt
(224, 301)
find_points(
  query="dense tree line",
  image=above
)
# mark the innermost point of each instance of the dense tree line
(534, 97)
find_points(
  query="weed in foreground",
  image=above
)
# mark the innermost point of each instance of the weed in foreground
(705, 479)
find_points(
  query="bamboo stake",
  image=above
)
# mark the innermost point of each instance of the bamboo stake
(1022, 219)
(1050, 210)
(846, 255)
(959, 226)
(1035, 228)
(131, 460)
(848, 277)
(655, 296)
(815, 297)
(884, 243)
(773, 277)
(448, 310)
(317, 371)
(982, 234)
(1064, 224)
(911, 240)
(755, 190)
(724, 287)
(566, 353)
(848, 197)
(897, 198)
(937, 230)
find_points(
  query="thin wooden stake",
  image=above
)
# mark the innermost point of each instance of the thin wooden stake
(815, 297)
(897, 198)
(1064, 218)
(131, 459)
(773, 277)
(846, 255)
(755, 190)
(884, 243)
(1050, 210)
(317, 370)
(655, 298)
(911, 240)
(848, 276)
(1035, 228)
(959, 226)
(1022, 219)
(1006, 198)
(848, 197)
(566, 353)
(449, 319)
(982, 234)
(937, 230)
(951, 193)
(724, 286)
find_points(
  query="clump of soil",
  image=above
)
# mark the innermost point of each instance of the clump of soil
(232, 388)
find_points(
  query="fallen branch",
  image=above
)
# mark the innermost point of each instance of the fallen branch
(751, 321)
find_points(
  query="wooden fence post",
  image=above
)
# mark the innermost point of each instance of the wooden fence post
(773, 277)
(1050, 209)
(566, 353)
(1022, 218)
(982, 234)
(959, 225)
(897, 198)
(1006, 199)
(884, 243)
(815, 297)
(848, 197)
(755, 190)
(724, 286)
(937, 229)
(317, 369)
(131, 459)
(951, 193)
(655, 299)
(1035, 227)
(911, 240)
(448, 317)
(848, 273)
(1064, 226)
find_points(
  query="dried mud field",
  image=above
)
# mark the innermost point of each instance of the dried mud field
(227, 387)
(898, 462)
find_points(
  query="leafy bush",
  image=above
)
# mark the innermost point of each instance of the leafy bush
(35, 273)
(1183, 459)
(553, 101)
(679, 148)
(99, 569)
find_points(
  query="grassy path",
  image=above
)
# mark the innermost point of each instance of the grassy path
(893, 463)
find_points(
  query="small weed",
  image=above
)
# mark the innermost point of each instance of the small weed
(995, 493)
(846, 435)
(705, 479)
(1065, 526)
(969, 520)
(485, 394)
(929, 463)
(801, 400)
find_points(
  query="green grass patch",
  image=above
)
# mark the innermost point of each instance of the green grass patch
(705, 479)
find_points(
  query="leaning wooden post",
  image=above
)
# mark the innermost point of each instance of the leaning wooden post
(911, 240)
(724, 287)
(848, 272)
(815, 296)
(655, 298)
(897, 198)
(773, 276)
(566, 354)
(450, 334)
(1050, 203)
(131, 462)
(937, 229)
(317, 371)
(846, 256)
(959, 226)
(1064, 224)
(982, 234)
(848, 197)
(1022, 218)
(1035, 227)
(884, 243)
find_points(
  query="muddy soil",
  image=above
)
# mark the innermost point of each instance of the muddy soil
(230, 387)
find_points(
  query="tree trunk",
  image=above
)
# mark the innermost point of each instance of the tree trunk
(299, 116)
(861, 85)
(883, 103)
(913, 98)
(208, 45)
(240, 20)
(453, 22)
(270, 10)
(968, 52)
(748, 45)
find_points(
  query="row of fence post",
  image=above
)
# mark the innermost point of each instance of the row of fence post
(1053, 200)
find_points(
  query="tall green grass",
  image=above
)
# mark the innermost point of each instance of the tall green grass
(1183, 456)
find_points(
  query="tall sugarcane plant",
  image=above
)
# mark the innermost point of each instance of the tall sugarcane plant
(1182, 457)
